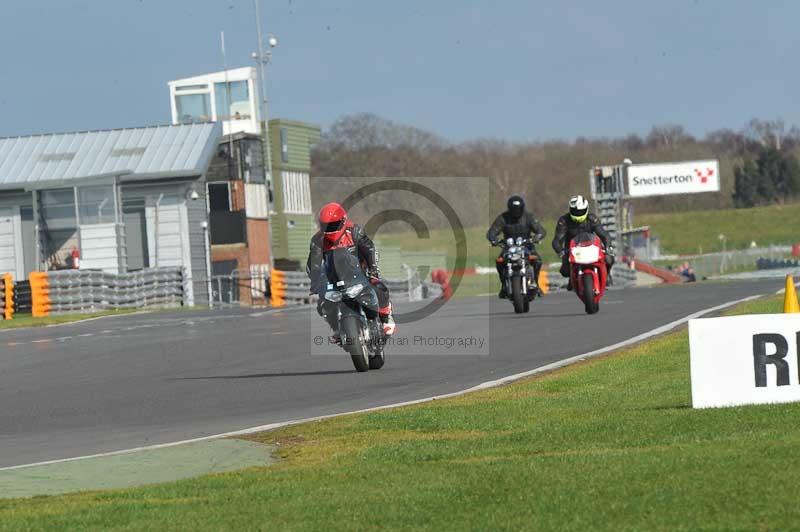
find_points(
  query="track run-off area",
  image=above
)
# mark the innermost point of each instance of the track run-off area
(149, 379)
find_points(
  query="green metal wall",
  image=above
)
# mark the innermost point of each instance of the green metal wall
(290, 240)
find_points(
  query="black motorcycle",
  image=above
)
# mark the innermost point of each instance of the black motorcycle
(519, 279)
(356, 306)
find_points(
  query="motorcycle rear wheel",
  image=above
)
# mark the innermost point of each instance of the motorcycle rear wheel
(351, 327)
(378, 360)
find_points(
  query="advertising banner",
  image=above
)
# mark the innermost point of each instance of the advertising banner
(740, 360)
(688, 177)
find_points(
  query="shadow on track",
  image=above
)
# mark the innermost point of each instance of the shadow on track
(534, 314)
(265, 375)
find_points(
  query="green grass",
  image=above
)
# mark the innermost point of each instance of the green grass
(479, 252)
(26, 320)
(698, 231)
(608, 444)
(681, 233)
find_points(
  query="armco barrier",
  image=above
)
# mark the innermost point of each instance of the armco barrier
(23, 297)
(68, 291)
(289, 288)
(292, 288)
(6, 296)
(40, 294)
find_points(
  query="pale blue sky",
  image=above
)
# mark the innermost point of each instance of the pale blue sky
(518, 70)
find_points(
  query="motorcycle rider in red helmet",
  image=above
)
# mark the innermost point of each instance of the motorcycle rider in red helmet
(336, 232)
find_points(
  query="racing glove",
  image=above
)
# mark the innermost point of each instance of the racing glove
(374, 272)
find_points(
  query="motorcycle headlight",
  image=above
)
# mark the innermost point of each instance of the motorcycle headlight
(354, 290)
(333, 295)
(513, 256)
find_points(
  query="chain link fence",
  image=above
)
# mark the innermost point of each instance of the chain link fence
(727, 262)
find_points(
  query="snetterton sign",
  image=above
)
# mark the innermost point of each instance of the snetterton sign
(687, 177)
(741, 360)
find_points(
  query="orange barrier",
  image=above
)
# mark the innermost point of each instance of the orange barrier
(277, 288)
(8, 303)
(40, 294)
(543, 281)
(663, 274)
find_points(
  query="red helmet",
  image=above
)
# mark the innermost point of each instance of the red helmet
(332, 221)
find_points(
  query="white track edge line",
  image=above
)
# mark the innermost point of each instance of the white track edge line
(485, 385)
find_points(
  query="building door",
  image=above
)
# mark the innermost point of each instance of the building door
(10, 243)
(135, 221)
(28, 240)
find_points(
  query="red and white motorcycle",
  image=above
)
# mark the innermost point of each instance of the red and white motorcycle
(588, 272)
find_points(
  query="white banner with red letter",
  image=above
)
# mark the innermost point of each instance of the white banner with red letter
(740, 360)
(687, 177)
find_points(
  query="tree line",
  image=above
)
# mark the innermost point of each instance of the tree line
(758, 163)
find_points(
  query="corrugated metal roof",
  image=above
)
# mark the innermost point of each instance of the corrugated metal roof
(139, 153)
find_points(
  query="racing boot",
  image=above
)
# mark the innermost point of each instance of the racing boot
(569, 285)
(389, 326)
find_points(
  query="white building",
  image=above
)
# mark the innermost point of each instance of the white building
(230, 97)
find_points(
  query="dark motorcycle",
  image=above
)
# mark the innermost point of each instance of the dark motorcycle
(519, 281)
(356, 307)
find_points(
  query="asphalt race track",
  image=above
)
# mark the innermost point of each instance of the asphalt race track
(145, 379)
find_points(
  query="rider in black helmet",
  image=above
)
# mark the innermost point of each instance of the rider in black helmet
(517, 222)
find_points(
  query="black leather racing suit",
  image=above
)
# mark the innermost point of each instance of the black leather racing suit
(358, 243)
(567, 229)
(526, 226)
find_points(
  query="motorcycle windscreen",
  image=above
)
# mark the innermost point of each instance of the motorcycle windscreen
(341, 266)
(584, 239)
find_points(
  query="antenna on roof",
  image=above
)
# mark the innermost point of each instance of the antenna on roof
(228, 102)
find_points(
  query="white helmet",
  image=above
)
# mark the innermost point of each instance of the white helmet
(578, 208)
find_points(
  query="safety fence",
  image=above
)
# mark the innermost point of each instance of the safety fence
(23, 297)
(6, 296)
(552, 281)
(732, 261)
(289, 288)
(241, 287)
(665, 275)
(69, 291)
(293, 288)
(774, 264)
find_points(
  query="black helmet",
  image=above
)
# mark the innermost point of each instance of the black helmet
(516, 206)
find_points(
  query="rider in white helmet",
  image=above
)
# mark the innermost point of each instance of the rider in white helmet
(579, 220)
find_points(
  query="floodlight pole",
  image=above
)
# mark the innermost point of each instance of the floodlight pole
(263, 57)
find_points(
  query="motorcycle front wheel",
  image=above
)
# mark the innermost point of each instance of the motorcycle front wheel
(351, 327)
(588, 295)
(517, 296)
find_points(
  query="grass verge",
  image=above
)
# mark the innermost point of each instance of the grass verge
(26, 320)
(682, 233)
(608, 444)
(698, 231)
